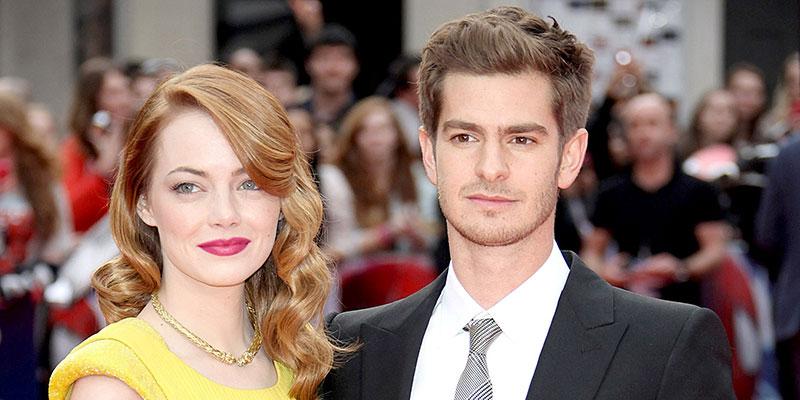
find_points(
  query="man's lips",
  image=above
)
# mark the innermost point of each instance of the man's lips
(225, 247)
(490, 200)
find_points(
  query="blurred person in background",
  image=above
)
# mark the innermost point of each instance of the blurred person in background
(101, 108)
(401, 87)
(668, 227)
(308, 17)
(35, 237)
(378, 200)
(708, 146)
(746, 82)
(218, 291)
(146, 75)
(778, 121)
(305, 128)
(738, 289)
(778, 232)
(332, 66)
(607, 147)
(247, 61)
(44, 124)
(279, 77)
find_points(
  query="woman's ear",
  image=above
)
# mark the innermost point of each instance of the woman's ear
(144, 212)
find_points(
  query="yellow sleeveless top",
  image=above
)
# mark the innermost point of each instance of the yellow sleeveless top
(133, 352)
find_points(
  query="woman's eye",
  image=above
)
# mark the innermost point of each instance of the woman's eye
(249, 185)
(185, 188)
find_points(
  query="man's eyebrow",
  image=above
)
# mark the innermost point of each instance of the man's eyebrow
(464, 125)
(530, 127)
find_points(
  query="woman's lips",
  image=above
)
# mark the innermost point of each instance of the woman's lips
(225, 247)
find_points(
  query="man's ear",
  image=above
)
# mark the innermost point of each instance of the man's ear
(572, 158)
(144, 212)
(428, 154)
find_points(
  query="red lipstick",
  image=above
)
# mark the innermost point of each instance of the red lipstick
(225, 247)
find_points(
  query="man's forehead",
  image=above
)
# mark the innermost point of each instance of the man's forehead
(523, 100)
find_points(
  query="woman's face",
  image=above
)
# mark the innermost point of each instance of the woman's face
(719, 118)
(115, 95)
(377, 139)
(215, 225)
(749, 92)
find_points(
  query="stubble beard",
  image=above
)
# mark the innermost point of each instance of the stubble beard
(495, 230)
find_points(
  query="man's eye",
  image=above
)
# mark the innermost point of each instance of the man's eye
(462, 138)
(249, 185)
(185, 188)
(523, 140)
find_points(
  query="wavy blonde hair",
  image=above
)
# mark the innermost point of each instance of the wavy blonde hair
(289, 290)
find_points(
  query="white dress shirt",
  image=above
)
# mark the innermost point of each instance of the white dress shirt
(524, 315)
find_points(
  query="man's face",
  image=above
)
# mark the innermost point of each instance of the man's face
(332, 68)
(649, 128)
(496, 161)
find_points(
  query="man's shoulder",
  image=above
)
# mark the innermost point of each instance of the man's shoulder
(636, 306)
(589, 291)
(346, 325)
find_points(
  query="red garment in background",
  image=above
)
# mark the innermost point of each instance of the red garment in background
(88, 193)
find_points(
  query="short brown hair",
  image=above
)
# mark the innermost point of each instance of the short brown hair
(509, 40)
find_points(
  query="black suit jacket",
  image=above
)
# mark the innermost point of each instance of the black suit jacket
(603, 343)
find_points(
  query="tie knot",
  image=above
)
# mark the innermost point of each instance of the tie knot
(482, 332)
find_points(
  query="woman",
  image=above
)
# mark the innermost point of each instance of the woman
(100, 110)
(746, 82)
(381, 209)
(34, 229)
(377, 194)
(710, 149)
(218, 290)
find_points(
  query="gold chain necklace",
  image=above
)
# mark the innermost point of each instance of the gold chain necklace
(223, 356)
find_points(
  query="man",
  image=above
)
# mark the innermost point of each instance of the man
(504, 96)
(778, 232)
(668, 226)
(332, 66)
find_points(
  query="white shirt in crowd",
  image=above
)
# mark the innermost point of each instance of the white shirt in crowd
(524, 315)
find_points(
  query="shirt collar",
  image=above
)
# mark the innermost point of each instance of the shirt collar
(531, 305)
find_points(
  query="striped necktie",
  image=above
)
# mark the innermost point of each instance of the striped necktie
(474, 383)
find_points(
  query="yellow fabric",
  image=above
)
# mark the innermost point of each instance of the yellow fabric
(130, 350)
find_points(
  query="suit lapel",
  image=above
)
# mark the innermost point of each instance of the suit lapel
(582, 338)
(391, 348)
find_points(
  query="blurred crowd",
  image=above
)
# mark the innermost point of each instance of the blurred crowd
(703, 214)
